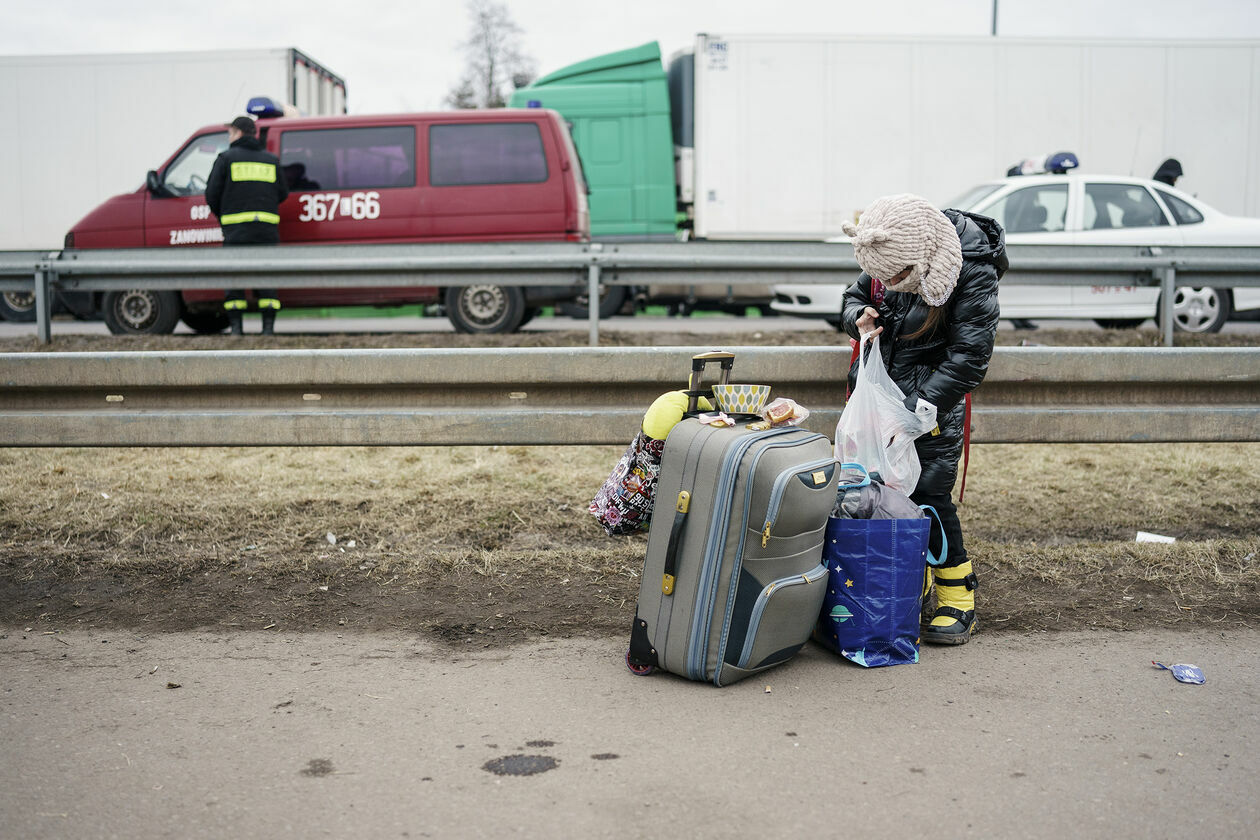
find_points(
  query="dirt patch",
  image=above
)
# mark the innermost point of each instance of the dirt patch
(491, 546)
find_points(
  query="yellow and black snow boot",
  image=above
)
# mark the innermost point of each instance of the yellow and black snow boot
(954, 620)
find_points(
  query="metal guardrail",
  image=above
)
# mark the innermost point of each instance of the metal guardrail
(563, 263)
(532, 396)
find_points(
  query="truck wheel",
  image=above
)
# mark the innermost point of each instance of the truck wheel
(485, 308)
(611, 299)
(141, 311)
(206, 322)
(17, 306)
(1198, 310)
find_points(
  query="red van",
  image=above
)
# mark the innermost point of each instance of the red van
(462, 176)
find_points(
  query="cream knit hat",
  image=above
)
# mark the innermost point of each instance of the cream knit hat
(905, 231)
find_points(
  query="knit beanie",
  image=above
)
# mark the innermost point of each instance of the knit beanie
(905, 231)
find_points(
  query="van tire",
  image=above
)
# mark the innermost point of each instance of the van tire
(17, 306)
(141, 312)
(611, 299)
(485, 308)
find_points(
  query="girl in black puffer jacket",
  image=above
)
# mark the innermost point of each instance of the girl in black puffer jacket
(929, 283)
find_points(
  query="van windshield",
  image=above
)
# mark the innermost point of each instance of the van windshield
(187, 174)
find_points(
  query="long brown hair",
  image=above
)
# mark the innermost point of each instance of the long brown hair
(936, 314)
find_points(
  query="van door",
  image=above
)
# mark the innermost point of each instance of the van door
(178, 214)
(494, 180)
(354, 184)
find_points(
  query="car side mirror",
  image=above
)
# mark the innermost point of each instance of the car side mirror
(152, 181)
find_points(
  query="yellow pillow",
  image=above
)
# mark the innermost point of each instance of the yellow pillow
(665, 413)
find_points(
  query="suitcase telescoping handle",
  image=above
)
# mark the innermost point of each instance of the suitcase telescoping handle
(698, 364)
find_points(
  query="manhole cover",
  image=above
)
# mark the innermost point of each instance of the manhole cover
(520, 765)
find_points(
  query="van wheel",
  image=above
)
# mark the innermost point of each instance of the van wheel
(206, 322)
(485, 308)
(17, 306)
(611, 299)
(1197, 310)
(141, 311)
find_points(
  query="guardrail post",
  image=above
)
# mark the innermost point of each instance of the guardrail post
(1167, 291)
(592, 293)
(43, 305)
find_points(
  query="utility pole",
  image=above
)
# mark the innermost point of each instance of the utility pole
(993, 29)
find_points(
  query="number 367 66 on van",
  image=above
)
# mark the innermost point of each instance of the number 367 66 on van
(463, 176)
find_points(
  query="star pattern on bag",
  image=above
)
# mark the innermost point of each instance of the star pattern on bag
(849, 583)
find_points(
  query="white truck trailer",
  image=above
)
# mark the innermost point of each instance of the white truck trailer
(78, 129)
(792, 135)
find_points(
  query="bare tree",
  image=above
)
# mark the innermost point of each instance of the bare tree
(495, 58)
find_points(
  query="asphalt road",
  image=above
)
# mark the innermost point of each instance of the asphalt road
(268, 734)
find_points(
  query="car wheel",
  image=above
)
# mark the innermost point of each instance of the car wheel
(141, 312)
(1198, 310)
(206, 322)
(18, 306)
(611, 299)
(485, 308)
(1118, 323)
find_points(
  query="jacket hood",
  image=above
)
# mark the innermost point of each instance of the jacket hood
(1170, 168)
(982, 238)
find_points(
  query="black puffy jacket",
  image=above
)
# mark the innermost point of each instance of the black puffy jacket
(260, 190)
(946, 364)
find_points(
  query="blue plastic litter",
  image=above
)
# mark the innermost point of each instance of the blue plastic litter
(1192, 674)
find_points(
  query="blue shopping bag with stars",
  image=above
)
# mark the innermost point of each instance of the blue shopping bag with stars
(876, 570)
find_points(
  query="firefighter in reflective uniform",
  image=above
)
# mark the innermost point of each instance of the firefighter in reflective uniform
(244, 190)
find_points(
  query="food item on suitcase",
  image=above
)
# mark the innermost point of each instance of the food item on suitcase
(733, 581)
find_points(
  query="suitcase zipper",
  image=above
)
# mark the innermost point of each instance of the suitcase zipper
(763, 599)
(780, 488)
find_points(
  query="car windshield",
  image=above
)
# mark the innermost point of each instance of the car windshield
(973, 196)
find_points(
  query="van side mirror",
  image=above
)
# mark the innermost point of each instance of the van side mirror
(153, 182)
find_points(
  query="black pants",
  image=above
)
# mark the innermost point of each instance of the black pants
(948, 512)
(263, 234)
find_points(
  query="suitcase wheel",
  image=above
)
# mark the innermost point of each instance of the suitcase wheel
(637, 669)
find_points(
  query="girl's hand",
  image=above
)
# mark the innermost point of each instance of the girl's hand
(866, 322)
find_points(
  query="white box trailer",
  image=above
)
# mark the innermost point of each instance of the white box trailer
(78, 129)
(795, 134)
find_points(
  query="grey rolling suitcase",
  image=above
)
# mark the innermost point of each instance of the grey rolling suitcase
(733, 580)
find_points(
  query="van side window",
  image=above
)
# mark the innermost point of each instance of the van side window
(187, 174)
(486, 153)
(349, 158)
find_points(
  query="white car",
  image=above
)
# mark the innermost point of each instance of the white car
(1087, 210)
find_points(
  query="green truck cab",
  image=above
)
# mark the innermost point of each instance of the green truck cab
(618, 107)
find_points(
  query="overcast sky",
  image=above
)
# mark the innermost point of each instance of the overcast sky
(404, 55)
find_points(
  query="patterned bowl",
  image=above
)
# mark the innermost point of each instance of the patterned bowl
(741, 399)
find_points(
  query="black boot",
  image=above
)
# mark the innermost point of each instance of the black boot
(234, 322)
(269, 322)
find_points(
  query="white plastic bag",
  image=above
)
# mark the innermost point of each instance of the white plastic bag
(876, 429)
